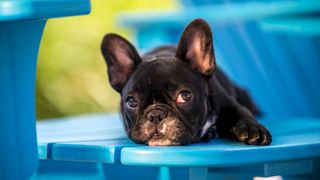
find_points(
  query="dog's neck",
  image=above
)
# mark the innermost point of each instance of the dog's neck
(211, 121)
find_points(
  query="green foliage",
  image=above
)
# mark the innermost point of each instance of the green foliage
(71, 73)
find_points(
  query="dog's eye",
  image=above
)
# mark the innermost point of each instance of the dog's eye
(131, 102)
(183, 97)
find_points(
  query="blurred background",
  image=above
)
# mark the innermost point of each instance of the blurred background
(269, 47)
(71, 73)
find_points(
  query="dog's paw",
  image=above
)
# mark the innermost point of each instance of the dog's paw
(252, 133)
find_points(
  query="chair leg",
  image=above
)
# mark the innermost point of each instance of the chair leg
(19, 43)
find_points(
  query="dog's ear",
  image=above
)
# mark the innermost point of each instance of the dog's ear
(121, 58)
(196, 47)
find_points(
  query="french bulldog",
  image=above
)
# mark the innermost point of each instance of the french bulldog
(177, 95)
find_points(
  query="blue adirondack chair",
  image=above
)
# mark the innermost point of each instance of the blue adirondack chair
(96, 146)
(21, 26)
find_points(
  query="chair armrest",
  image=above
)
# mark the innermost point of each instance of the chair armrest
(41, 9)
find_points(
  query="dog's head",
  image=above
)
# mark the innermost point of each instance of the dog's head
(164, 100)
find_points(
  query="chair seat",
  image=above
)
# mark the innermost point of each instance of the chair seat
(101, 138)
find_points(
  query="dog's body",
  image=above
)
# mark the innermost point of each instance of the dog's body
(171, 96)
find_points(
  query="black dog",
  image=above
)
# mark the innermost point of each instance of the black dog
(171, 96)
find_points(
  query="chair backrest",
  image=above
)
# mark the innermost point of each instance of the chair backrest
(279, 70)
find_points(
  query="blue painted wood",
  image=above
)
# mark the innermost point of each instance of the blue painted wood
(219, 13)
(19, 42)
(86, 138)
(245, 60)
(199, 173)
(287, 168)
(81, 128)
(97, 151)
(164, 173)
(292, 25)
(41, 9)
(296, 144)
(42, 150)
(52, 170)
(57, 170)
(18, 52)
(292, 139)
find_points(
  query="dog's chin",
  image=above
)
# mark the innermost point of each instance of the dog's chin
(159, 139)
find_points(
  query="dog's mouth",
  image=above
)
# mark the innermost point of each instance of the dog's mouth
(167, 133)
(159, 139)
(170, 132)
(160, 125)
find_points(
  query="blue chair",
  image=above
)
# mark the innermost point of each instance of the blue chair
(21, 26)
(97, 147)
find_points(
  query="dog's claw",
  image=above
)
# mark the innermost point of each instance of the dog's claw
(264, 140)
(252, 133)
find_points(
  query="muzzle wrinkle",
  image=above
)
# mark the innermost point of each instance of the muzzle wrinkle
(190, 130)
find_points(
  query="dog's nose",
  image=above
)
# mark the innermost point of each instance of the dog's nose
(155, 116)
